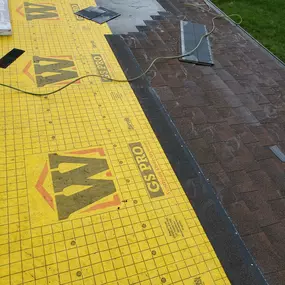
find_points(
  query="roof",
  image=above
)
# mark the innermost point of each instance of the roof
(228, 115)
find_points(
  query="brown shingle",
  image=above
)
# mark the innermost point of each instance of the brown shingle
(229, 115)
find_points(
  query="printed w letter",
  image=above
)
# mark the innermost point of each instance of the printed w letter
(38, 11)
(69, 202)
(57, 66)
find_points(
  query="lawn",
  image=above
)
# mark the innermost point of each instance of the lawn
(263, 19)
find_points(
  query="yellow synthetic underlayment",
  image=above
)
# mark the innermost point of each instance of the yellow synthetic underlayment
(87, 193)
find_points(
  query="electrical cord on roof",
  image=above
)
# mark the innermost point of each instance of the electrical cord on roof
(149, 67)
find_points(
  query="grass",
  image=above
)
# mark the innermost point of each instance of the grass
(263, 19)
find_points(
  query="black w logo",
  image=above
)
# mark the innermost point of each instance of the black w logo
(76, 188)
(58, 66)
(40, 11)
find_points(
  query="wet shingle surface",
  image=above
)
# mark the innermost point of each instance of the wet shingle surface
(229, 115)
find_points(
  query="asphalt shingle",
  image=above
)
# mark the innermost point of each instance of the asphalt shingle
(229, 115)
